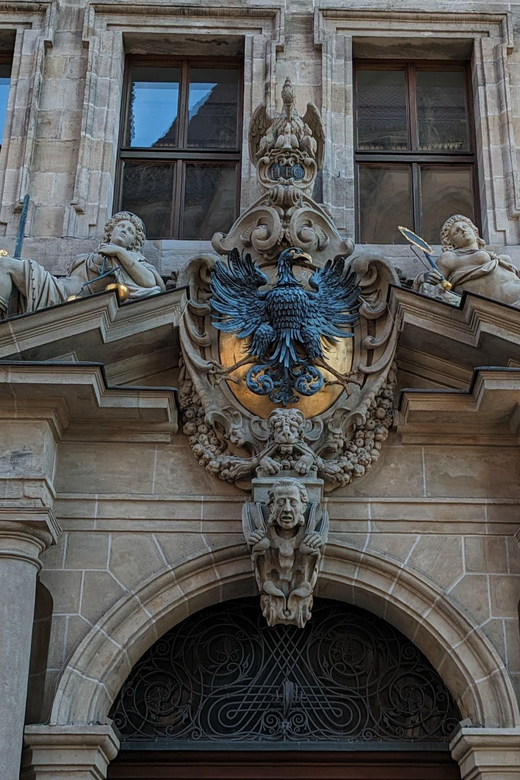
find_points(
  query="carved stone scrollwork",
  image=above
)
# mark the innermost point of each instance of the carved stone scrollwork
(288, 153)
(230, 379)
(286, 537)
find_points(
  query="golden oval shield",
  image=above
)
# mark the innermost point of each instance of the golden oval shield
(338, 355)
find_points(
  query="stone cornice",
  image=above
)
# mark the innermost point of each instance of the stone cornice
(70, 392)
(470, 21)
(487, 413)
(467, 323)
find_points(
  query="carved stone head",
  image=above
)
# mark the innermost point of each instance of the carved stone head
(459, 231)
(287, 501)
(286, 427)
(133, 233)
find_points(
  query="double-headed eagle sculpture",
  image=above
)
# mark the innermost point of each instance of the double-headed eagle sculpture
(286, 324)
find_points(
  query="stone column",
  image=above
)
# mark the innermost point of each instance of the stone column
(24, 535)
(487, 754)
(59, 752)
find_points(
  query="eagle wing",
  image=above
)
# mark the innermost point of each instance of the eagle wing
(238, 306)
(334, 300)
(258, 127)
(313, 119)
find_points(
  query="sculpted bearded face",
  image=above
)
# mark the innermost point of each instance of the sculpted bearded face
(286, 426)
(287, 502)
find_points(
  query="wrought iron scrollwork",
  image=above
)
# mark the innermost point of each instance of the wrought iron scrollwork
(223, 675)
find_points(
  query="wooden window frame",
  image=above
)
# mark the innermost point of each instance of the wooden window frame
(413, 156)
(181, 154)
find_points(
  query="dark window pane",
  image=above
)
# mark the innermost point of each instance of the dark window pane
(441, 111)
(384, 202)
(209, 203)
(381, 110)
(212, 108)
(5, 82)
(444, 191)
(148, 192)
(154, 106)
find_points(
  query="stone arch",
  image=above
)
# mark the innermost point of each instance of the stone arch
(463, 656)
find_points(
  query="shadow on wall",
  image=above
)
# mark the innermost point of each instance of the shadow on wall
(39, 651)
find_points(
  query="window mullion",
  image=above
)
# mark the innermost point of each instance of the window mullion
(413, 133)
(178, 199)
(416, 198)
(182, 135)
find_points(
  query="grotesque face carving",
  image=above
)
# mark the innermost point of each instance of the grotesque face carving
(286, 426)
(287, 502)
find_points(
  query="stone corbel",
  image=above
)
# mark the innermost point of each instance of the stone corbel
(286, 529)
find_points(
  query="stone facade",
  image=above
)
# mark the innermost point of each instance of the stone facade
(107, 522)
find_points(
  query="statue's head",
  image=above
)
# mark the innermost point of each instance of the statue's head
(287, 501)
(286, 426)
(125, 229)
(459, 231)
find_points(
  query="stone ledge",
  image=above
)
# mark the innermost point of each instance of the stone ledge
(74, 750)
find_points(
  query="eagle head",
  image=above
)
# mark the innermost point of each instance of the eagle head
(294, 256)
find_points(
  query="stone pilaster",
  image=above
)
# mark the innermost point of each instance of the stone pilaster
(82, 752)
(24, 535)
(487, 754)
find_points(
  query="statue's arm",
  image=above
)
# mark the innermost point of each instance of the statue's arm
(134, 264)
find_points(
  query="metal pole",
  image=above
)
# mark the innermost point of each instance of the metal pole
(21, 227)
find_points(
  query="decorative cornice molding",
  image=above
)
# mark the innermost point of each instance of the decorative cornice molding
(23, 383)
(487, 413)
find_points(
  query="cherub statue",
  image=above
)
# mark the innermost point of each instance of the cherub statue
(286, 539)
(25, 285)
(467, 265)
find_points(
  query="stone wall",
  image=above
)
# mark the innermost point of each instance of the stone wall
(130, 511)
(427, 539)
(60, 141)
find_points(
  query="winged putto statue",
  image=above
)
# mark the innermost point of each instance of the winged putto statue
(287, 326)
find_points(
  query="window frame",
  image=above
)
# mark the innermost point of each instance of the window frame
(6, 59)
(180, 154)
(413, 156)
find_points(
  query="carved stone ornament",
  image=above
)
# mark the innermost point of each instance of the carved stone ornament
(287, 345)
(286, 538)
(287, 152)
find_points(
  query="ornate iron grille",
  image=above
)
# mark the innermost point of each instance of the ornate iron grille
(223, 675)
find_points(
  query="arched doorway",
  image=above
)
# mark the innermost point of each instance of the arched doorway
(223, 695)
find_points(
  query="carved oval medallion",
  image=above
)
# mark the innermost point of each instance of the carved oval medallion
(233, 349)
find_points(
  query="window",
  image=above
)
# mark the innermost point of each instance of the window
(5, 83)
(180, 150)
(414, 154)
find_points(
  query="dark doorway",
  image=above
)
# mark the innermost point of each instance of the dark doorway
(356, 765)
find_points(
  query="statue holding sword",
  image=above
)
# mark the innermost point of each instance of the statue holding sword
(466, 264)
